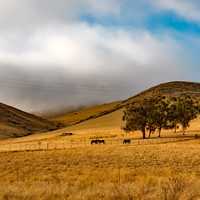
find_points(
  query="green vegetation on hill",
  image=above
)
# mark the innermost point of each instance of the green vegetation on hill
(159, 112)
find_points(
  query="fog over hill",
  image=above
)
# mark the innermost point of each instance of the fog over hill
(58, 54)
(41, 91)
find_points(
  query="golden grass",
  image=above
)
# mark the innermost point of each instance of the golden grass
(50, 166)
(85, 113)
(165, 171)
(108, 126)
(71, 168)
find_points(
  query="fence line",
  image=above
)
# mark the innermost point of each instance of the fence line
(47, 145)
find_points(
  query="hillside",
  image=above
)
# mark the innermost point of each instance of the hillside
(88, 113)
(16, 123)
(175, 88)
(69, 166)
(100, 118)
(97, 114)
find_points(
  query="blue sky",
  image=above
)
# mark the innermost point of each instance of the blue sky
(153, 20)
(76, 52)
(170, 21)
(159, 19)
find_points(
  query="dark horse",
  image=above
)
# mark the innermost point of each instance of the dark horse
(97, 141)
(127, 141)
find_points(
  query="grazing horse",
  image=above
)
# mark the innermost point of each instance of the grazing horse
(97, 141)
(101, 141)
(94, 142)
(127, 141)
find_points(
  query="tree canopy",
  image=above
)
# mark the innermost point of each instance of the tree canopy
(160, 112)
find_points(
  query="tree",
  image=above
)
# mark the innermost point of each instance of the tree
(173, 114)
(186, 109)
(161, 113)
(141, 116)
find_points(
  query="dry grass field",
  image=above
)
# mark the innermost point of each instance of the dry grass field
(51, 166)
(146, 171)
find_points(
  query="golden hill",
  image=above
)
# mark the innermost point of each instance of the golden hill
(175, 88)
(88, 113)
(69, 166)
(16, 123)
(111, 113)
(101, 118)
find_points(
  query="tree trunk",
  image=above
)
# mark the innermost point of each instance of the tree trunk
(143, 134)
(149, 134)
(159, 132)
(175, 130)
(183, 131)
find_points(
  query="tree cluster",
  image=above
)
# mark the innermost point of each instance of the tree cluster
(160, 112)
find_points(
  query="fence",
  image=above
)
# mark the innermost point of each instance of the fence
(61, 145)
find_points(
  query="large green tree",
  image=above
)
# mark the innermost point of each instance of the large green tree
(159, 112)
(141, 116)
(183, 110)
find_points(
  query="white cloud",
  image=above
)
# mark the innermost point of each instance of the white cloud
(49, 58)
(29, 14)
(81, 47)
(80, 62)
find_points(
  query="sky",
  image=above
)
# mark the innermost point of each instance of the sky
(62, 54)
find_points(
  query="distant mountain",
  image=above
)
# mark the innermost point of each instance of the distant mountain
(175, 88)
(16, 123)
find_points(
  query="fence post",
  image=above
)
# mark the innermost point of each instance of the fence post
(119, 176)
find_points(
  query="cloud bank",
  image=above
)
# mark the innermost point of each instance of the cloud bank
(50, 59)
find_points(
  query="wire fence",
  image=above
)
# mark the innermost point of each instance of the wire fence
(61, 145)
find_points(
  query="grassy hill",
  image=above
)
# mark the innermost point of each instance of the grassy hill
(88, 113)
(175, 88)
(109, 115)
(100, 119)
(69, 166)
(16, 123)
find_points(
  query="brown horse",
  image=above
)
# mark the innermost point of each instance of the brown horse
(97, 141)
(127, 141)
